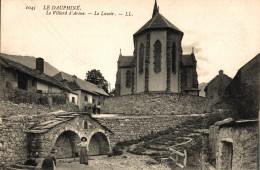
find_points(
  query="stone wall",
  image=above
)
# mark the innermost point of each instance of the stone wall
(14, 139)
(8, 108)
(244, 138)
(156, 103)
(127, 128)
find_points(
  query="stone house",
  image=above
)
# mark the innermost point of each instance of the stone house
(234, 144)
(158, 64)
(215, 90)
(89, 94)
(18, 77)
(243, 90)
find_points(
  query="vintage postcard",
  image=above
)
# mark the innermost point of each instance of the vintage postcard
(120, 84)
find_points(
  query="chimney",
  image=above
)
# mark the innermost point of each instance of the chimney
(74, 78)
(221, 72)
(40, 64)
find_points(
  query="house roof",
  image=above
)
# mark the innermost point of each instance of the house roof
(125, 61)
(80, 84)
(59, 119)
(30, 62)
(31, 72)
(215, 78)
(158, 21)
(188, 60)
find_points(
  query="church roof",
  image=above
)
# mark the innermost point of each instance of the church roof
(125, 61)
(188, 60)
(158, 21)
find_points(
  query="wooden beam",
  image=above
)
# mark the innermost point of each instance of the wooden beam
(176, 152)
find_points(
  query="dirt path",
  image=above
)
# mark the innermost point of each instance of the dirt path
(125, 161)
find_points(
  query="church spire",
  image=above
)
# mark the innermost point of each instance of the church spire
(155, 9)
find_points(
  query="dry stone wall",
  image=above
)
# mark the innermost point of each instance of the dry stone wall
(13, 137)
(127, 128)
(8, 108)
(156, 103)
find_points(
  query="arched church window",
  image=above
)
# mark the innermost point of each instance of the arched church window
(157, 56)
(173, 57)
(85, 124)
(128, 78)
(184, 77)
(141, 58)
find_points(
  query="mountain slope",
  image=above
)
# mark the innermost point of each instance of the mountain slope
(201, 88)
(31, 63)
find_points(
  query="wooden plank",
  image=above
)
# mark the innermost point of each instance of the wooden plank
(173, 159)
(185, 158)
(179, 165)
(176, 152)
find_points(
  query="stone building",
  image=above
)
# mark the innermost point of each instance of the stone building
(16, 77)
(233, 145)
(158, 64)
(243, 90)
(215, 90)
(89, 94)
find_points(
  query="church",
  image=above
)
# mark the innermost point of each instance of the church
(158, 64)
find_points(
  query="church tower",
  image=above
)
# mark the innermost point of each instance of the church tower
(157, 56)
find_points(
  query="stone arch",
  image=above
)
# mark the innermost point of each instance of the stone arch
(66, 145)
(99, 143)
(77, 135)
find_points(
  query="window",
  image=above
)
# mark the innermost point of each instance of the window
(85, 124)
(73, 99)
(141, 59)
(128, 79)
(22, 81)
(157, 56)
(173, 57)
(86, 98)
(93, 101)
(33, 82)
(184, 76)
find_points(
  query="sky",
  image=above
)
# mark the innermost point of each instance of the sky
(224, 33)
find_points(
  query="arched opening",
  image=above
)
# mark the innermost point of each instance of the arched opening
(66, 145)
(128, 79)
(157, 56)
(141, 58)
(85, 124)
(98, 144)
(173, 57)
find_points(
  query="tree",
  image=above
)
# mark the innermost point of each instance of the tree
(95, 76)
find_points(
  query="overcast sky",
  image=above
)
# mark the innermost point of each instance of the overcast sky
(225, 33)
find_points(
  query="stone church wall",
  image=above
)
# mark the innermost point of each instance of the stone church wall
(156, 103)
(140, 78)
(175, 84)
(157, 81)
(124, 90)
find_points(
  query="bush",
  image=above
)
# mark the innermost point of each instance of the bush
(117, 150)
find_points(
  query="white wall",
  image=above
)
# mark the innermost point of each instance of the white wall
(70, 95)
(45, 88)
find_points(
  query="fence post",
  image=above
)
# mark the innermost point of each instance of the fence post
(185, 158)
